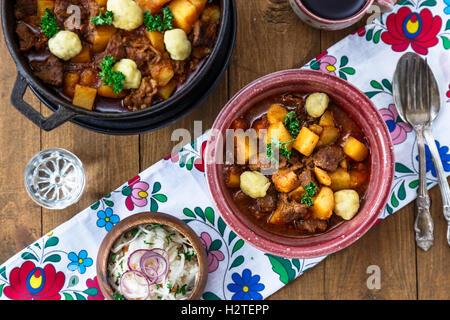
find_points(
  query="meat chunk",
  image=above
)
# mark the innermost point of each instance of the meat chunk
(25, 8)
(306, 177)
(49, 70)
(268, 203)
(30, 37)
(114, 48)
(328, 157)
(204, 34)
(291, 210)
(312, 225)
(142, 97)
(140, 50)
(60, 10)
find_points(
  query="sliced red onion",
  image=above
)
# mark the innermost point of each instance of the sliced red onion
(154, 266)
(134, 285)
(134, 260)
(162, 252)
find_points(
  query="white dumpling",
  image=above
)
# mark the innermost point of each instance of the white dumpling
(128, 15)
(316, 104)
(177, 44)
(346, 203)
(254, 184)
(65, 45)
(132, 74)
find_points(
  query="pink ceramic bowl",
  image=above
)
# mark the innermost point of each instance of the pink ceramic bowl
(362, 110)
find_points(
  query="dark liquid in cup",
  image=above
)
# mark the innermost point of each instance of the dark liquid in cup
(334, 9)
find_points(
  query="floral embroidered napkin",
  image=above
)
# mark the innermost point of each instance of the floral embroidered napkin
(61, 265)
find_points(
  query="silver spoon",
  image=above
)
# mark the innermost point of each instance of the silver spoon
(412, 96)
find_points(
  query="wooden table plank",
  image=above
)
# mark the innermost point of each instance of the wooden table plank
(20, 218)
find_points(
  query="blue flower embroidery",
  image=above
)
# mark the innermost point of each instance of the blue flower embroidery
(246, 287)
(107, 219)
(443, 153)
(80, 261)
(447, 9)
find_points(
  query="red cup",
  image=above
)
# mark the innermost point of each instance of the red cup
(361, 109)
(371, 6)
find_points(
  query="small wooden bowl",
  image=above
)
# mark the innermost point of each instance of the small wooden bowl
(149, 218)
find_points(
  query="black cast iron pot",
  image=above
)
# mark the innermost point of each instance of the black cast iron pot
(155, 117)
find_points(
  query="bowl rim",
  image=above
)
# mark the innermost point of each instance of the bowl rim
(149, 218)
(266, 241)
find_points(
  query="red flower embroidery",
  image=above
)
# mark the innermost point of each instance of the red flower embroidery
(199, 163)
(406, 28)
(29, 282)
(93, 283)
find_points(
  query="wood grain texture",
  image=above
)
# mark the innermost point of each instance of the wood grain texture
(270, 38)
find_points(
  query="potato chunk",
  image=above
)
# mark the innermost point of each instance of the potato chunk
(276, 113)
(355, 149)
(101, 37)
(254, 184)
(42, 5)
(306, 141)
(327, 119)
(157, 40)
(322, 176)
(340, 179)
(184, 14)
(154, 6)
(329, 135)
(279, 131)
(84, 97)
(316, 104)
(167, 91)
(346, 203)
(285, 180)
(323, 204)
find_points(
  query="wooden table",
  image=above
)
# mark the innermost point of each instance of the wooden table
(270, 38)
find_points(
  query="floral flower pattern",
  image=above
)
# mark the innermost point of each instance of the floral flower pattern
(246, 287)
(79, 262)
(136, 192)
(397, 127)
(444, 155)
(107, 219)
(406, 28)
(213, 252)
(29, 282)
(93, 284)
(329, 64)
(447, 9)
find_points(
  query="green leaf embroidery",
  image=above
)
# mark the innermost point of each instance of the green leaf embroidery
(348, 70)
(387, 84)
(79, 296)
(344, 61)
(428, 3)
(199, 212)
(296, 263)
(53, 258)
(210, 296)
(51, 242)
(188, 212)
(315, 65)
(209, 213)
(182, 161)
(402, 192)
(237, 262)
(389, 209)
(215, 245)
(282, 267)
(73, 281)
(342, 75)
(221, 225)
(414, 184)
(399, 167)
(237, 246)
(376, 36)
(231, 237)
(376, 85)
(68, 296)
(446, 42)
(3, 272)
(91, 291)
(28, 256)
(372, 94)
(369, 35)
(156, 187)
(126, 191)
(190, 163)
(1, 288)
(153, 205)
(447, 26)
(109, 203)
(160, 197)
(394, 201)
(95, 205)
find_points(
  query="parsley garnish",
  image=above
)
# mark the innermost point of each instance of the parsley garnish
(158, 23)
(102, 20)
(118, 296)
(49, 24)
(188, 255)
(292, 123)
(110, 77)
(169, 237)
(311, 190)
(274, 143)
(181, 290)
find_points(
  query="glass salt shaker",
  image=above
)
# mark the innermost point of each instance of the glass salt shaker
(55, 178)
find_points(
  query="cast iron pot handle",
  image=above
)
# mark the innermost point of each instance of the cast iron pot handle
(55, 120)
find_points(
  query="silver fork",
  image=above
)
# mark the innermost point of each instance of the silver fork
(411, 98)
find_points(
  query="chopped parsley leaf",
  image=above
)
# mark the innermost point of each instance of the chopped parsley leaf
(158, 23)
(281, 147)
(311, 190)
(292, 123)
(49, 24)
(110, 77)
(188, 255)
(118, 296)
(103, 20)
